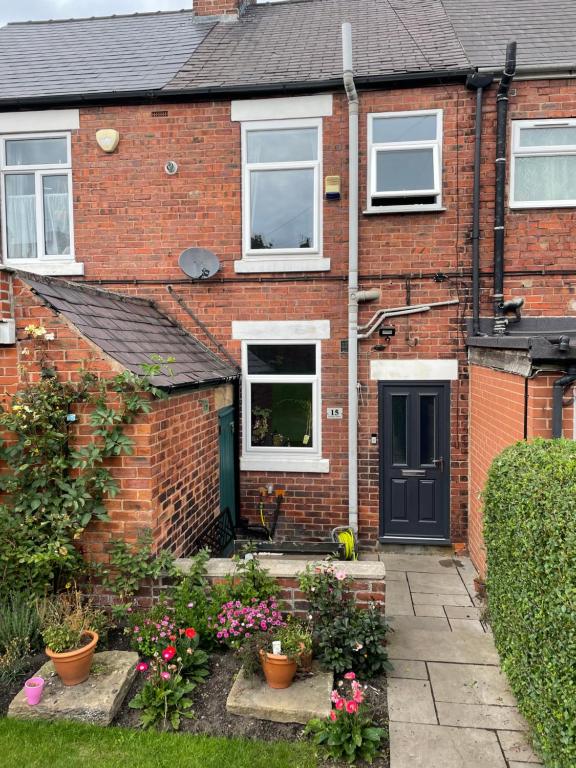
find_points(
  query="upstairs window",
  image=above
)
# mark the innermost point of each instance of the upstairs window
(405, 161)
(543, 173)
(36, 181)
(281, 200)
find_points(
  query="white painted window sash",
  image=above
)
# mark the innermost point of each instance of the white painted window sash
(315, 451)
(374, 147)
(39, 171)
(558, 150)
(316, 165)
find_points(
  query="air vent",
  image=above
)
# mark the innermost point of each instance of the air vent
(160, 113)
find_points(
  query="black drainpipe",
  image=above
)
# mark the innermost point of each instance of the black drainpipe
(499, 203)
(477, 82)
(560, 386)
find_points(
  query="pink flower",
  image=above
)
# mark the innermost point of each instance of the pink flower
(168, 653)
(350, 676)
(351, 707)
(340, 575)
(358, 696)
(334, 696)
(333, 716)
(142, 666)
(339, 703)
(165, 675)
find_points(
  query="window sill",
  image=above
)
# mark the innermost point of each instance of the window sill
(405, 209)
(284, 464)
(543, 205)
(287, 264)
(50, 268)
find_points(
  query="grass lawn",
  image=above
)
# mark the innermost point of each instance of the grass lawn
(69, 745)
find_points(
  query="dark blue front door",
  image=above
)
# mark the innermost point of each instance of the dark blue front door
(414, 460)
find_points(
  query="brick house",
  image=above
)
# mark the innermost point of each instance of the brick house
(233, 132)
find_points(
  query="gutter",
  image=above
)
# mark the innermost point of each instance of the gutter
(353, 111)
(478, 83)
(558, 389)
(500, 185)
(156, 96)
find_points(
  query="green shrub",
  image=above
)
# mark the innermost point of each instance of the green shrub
(346, 637)
(530, 534)
(19, 619)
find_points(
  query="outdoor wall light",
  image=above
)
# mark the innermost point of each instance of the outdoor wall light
(107, 139)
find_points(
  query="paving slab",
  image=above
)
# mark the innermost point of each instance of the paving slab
(517, 748)
(467, 625)
(462, 612)
(429, 610)
(398, 600)
(470, 684)
(410, 623)
(444, 583)
(430, 598)
(410, 701)
(416, 670)
(306, 698)
(395, 576)
(514, 764)
(95, 701)
(457, 647)
(480, 716)
(420, 563)
(414, 745)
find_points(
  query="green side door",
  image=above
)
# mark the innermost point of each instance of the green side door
(227, 461)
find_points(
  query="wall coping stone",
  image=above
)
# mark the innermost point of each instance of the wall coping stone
(365, 570)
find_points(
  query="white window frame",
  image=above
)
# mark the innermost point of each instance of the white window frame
(44, 263)
(282, 459)
(282, 259)
(561, 150)
(375, 147)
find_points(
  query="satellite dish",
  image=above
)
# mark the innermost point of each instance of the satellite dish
(199, 263)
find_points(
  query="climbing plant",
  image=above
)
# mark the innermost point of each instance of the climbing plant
(52, 489)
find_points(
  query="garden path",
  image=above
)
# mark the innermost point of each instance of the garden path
(450, 705)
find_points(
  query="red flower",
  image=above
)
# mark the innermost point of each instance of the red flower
(168, 653)
(351, 707)
(142, 666)
(190, 633)
(172, 637)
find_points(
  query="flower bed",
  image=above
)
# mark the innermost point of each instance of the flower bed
(186, 674)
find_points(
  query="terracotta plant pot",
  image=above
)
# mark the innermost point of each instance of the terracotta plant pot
(279, 670)
(73, 667)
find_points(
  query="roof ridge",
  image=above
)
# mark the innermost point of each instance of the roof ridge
(101, 18)
(78, 285)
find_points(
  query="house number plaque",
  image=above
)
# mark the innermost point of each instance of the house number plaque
(334, 413)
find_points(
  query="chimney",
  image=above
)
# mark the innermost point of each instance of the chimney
(227, 8)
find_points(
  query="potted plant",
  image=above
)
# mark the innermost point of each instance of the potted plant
(280, 654)
(69, 630)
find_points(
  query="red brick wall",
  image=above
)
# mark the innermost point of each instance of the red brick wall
(215, 7)
(497, 407)
(132, 221)
(184, 467)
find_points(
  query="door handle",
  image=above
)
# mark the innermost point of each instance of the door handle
(439, 463)
(413, 472)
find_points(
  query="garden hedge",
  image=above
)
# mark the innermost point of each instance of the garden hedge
(530, 536)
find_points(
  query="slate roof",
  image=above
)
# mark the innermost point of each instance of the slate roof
(100, 55)
(544, 29)
(274, 46)
(130, 330)
(301, 41)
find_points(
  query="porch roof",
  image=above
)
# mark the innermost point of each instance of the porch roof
(133, 331)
